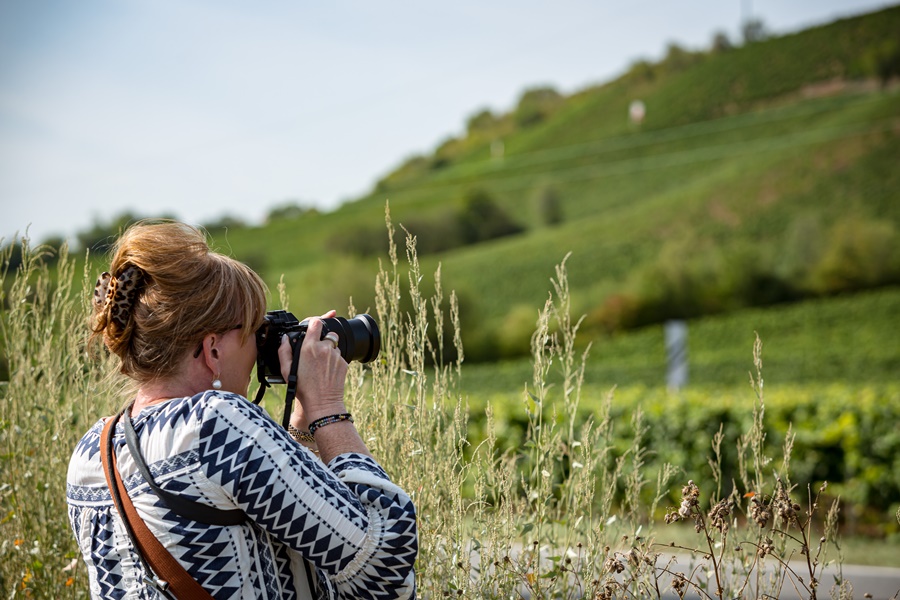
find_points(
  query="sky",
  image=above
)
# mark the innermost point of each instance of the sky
(205, 108)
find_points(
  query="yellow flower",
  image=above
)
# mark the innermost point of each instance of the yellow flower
(23, 585)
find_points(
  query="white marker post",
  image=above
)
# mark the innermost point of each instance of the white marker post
(676, 335)
(637, 111)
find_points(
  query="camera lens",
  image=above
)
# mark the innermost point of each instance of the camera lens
(359, 338)
(364, 339)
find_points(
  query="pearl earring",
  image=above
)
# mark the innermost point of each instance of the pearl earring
(217, 384)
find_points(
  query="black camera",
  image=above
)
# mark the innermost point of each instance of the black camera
(358, 339)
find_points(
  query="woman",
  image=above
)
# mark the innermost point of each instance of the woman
(182, 320)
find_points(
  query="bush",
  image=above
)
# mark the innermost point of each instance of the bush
(289, 211)
(481, 219)
(433, 235)
(100, 237)
(359, 240)
(447, 152)
(225, 223)
(549, 205)
(411, 168)
(721, 43)
(753, 30)
(844, 435)
(693, 276)
(860, 254)
(513, 332)
(882, 60)
(678, 58)
(483, 121)
(642, 70)
(536, 105)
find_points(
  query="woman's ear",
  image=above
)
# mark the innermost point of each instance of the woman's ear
(211, 352)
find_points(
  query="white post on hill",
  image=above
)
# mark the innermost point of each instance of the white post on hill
(676, 337)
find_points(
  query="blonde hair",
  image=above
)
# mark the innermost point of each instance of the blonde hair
(178, 291)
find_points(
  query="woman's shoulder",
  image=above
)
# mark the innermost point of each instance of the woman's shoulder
(199, 412)
(89, 445)
(182, 411)
(85, 472)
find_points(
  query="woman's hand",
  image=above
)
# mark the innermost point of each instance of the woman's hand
(320, 391)
(321, 374)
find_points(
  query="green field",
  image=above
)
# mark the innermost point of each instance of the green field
(850, 339)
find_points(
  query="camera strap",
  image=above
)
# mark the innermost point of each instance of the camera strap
(264, 385)
(292, 381)
(162, 572)
(188, 509)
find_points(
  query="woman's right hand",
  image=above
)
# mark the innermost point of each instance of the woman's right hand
(321, 372)
(320, 391)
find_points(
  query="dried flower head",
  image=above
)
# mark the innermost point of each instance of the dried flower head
(607, 592)
(613, 565)
(679, 584)
(760, 511)
(634, 557)
(718, 515)
(766, 547)
(690, 495)
(783, 505)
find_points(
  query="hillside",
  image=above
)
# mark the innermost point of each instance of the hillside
(761, 174)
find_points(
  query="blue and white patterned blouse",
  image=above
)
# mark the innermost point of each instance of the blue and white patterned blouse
(347, 519)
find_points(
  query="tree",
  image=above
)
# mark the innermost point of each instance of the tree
(550, 206)
(225, 222)
(883, 60)
(288, 211)
(482, 219)
(481, 121)
(536, 105)
(721, 43)
(754, 30)
(446, 153)
(101, 236)
(642, 70)
(677, 58)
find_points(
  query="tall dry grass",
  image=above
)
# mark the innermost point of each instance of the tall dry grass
(569, 514)
(54, 392)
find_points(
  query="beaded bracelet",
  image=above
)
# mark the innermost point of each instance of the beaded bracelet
(300, 435)
(315, 425)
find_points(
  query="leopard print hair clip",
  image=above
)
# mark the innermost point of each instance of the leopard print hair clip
(118, 294)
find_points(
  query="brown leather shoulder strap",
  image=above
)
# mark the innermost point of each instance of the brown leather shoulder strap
(164, 565)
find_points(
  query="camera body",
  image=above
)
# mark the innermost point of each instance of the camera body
(358, 339)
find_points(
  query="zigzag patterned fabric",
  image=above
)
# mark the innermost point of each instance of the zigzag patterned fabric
(347, 519)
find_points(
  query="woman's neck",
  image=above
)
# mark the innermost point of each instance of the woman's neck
(154, 392)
